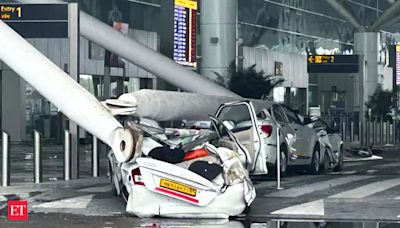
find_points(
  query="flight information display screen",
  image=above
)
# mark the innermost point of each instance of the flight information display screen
(185, 32)
(397, 64)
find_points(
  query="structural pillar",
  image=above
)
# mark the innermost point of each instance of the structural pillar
(365, 83)
(218, 35)
(73, 23)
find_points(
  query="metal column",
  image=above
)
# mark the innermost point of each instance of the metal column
(37, 156)
(95, 157)
(67, 155)
(5, 174)
(73, 26)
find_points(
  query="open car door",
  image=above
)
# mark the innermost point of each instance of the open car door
(240, 120)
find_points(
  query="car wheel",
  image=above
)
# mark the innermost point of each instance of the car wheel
(339, 166)
(325, 163)
(314, 167)
(283, 162)
(112, 180)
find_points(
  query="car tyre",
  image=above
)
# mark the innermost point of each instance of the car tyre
(339, 166)
(314, 167)
(283, 163)
(325, 167)
(112, 180)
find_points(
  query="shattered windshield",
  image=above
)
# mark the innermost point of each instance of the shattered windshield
(173, 137)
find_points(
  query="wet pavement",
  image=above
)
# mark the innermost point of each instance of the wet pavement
(365, 193)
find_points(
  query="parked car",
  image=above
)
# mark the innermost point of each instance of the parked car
(256, 128)
(331, 142)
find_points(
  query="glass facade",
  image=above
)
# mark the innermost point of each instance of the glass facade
(305, 26)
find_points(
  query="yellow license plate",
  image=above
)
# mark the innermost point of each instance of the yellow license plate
(178, 187)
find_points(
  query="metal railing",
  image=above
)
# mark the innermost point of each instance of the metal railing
(38, 158)
(377, 131)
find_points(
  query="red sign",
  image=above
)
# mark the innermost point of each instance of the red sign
(17, 210)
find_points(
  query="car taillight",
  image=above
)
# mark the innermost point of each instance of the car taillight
(266, 129)
(137, 177)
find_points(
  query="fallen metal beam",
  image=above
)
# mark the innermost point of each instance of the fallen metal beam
(386, 17)
(170, 105)
(346, 12)
(60, 89)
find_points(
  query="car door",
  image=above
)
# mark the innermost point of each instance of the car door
(303, 136)
(286, 129)
(240, 118)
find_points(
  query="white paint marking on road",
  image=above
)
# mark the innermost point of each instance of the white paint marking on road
(308, 188)
(372, 171)
(80, 202)
(105, 188)
(397, 198)
(311, 208)
(369, 189)
(343, 173)
(372, 158)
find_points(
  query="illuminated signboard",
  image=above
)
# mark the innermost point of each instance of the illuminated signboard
(185, 32)
(36, 20)
(332, 63)
(397, 65)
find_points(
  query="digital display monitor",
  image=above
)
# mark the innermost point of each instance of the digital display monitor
(397, 64)
(185, 32)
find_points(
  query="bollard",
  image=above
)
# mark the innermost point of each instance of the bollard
(37, 156)
(67, 155)
(352, 131)
(5, 181)
(278, 160)
(373, 132)
(394, 132)
(381, 131)
(95, 157)
(391, 134)
(387, 132)
(344, 131)
(360, 134)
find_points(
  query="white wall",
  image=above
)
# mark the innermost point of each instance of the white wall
(294, 65)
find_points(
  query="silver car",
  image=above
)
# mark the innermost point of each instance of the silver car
(255, 127)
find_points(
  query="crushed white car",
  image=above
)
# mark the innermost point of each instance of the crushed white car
(179, 173)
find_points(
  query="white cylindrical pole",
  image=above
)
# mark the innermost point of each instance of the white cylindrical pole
(5, 181)
(78, 104)
(95, 158)
(278, 160)
(37, 156)
(67, 155)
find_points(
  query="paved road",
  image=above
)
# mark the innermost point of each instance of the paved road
(365, 190)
